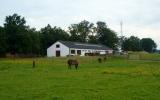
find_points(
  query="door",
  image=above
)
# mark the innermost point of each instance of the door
(58, 53)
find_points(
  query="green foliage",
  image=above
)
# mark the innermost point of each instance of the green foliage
(106, 36)
(80, 32)
(3, 44)
(87, 32)
(34, 42)
(131, 44)
(135, 44)
(116, 79)
(21, 39)
(148, 44)
(93, 39)
(16, 33)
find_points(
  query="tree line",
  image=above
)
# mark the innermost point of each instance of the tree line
(18, 38)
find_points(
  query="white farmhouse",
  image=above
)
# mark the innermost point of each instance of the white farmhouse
(65, 48)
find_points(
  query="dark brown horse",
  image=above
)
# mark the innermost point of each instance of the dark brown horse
(99, 60)
(105, 58)
(72, 62)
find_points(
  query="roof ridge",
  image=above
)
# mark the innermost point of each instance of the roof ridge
(82, 42)
(72, 44)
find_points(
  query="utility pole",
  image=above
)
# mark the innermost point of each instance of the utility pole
(121, 25)
(121, 37)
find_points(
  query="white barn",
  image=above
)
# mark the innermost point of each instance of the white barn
(65, 48)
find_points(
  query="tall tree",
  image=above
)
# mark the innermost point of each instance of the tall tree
(106, 36)
(15, 29)
(80, 32)
(148, 44)
(3, 44)
(131, 44)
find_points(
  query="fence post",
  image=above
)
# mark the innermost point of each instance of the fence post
(34, 65)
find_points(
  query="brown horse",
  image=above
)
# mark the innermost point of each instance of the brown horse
(99, 60)
(72, 62)
(105, 58)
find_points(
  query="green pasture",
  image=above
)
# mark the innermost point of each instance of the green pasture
(116, 79)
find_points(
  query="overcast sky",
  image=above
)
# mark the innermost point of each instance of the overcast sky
(140, 17)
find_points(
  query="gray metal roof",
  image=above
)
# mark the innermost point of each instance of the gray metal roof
(78, 45)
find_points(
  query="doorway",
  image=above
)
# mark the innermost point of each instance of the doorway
(58, 53)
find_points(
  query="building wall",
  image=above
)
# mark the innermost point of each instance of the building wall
(64, 50)
(110, 51)
(51, 51)
(83, 51)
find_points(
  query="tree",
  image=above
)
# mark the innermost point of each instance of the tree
(74, 34)
(80, 32)
(15, 29)
(131, 44)
(106, 36)
(34, 41)
(148, 44)
(3, 44)
(93, 39)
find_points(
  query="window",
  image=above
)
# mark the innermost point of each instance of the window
(57, 46)
(78, 52)
(72, 51)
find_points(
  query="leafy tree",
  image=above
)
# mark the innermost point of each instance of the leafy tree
(80, 32)
(3, 44)
(148, 44)
(93, 39)
(106, 36)
(74, 34)
(34, 41)
(16, 33)
(131, 44)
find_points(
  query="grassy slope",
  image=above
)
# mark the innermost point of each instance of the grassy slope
(115, 79)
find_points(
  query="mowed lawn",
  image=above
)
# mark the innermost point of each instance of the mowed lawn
(115, 79)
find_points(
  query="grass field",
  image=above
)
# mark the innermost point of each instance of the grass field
(116, 79)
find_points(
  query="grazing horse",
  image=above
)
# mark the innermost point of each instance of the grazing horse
(72, 62)
(99, 60)
(105, 58)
